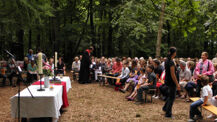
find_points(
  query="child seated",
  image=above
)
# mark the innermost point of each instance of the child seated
(214, 102)
(205, 99)
(142, 79)
(124, 74)
(133, 77)
(150, 84)
(214, 84)
(97, 68)
(159, 84)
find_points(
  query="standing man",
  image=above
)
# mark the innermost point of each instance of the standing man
(85, 66)
(30, 55)
(171, 81)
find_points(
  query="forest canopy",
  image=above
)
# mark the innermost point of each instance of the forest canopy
(113, 27)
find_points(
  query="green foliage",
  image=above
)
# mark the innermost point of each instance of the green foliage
(121, 27)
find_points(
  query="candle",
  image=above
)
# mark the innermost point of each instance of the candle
(55, 59)
(40, 71)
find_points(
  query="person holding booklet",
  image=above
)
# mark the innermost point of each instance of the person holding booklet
(32, 71)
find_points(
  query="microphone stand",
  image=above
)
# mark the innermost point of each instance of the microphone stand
(19, 78)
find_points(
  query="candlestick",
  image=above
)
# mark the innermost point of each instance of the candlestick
(55, 69)
(55, 59)
(40, 71)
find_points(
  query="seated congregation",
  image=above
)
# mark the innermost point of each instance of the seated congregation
(139, 76)
(29, 68)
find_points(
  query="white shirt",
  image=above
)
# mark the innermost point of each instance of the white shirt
(186, 74)
(91, 65)
(163, 64)
(206, 91)
(125, 72)
(76, 65)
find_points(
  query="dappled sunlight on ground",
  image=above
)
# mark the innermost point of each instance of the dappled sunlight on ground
(91, 102)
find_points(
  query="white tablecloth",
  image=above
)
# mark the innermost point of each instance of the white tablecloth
(44, 104)
(64, 79)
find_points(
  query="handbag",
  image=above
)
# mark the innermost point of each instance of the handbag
(211, 77)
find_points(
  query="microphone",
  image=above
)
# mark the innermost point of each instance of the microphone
(9, 53)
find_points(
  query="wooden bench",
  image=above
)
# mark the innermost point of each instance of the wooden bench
(210, 108)
(111, 77)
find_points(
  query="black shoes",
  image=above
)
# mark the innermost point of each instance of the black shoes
(169, 116)
(121, 90)
(139, 102)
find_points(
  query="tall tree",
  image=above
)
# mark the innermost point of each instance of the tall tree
(159, 35)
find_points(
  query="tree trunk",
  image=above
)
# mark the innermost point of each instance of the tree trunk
(92, 27)
(83, 32)
(1, 39)
(39, 41)
(130, 53)
(50, 34)
(212, 48)
(110, 45)
(205, 47)
(120, 46)
(103, 40)
(99, 51)
(54, 34)
(30, 39)
(168, 34)
(159, 35)
(19, 45)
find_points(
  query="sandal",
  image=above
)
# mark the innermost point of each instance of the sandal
(188, 100)
(183, 97)
(128, 98)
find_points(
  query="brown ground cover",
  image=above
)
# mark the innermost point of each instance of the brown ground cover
(92, 103)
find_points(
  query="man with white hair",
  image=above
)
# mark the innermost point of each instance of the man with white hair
(184, 76)
(214, 60)
(141, 58)
(76, 65)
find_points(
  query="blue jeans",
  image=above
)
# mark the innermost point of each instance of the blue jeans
(190, 88)
(194, 108)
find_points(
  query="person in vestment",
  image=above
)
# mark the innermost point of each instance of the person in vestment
(84, 72)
